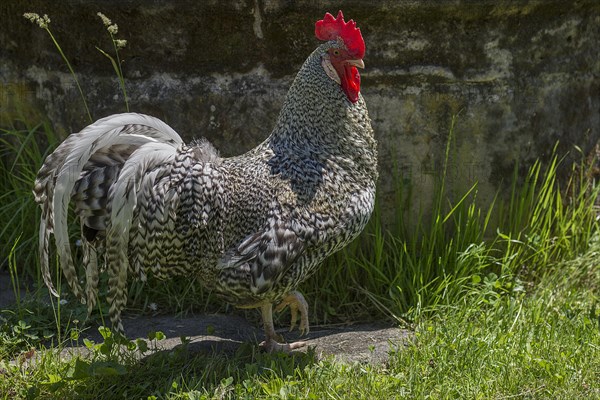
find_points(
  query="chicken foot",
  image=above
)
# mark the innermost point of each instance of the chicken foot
(273, 341)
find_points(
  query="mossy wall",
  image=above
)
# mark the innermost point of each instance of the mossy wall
(519, 75)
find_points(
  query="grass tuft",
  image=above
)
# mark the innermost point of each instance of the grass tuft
(21, 155)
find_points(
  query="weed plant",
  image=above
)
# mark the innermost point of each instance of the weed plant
(21, 154)
(44, 23)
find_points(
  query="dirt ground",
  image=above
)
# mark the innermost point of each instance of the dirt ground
(364, 343)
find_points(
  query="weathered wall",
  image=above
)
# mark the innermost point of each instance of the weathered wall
(520, 75)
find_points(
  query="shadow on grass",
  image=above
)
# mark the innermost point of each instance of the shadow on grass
(227, 359)
(187, 367)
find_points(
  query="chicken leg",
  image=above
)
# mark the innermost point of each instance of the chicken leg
(273, 341)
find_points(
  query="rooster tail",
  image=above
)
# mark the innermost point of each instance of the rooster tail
(90, 260)
(102, 168)
(134, 178)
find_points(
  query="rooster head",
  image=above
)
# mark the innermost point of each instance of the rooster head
(345, 56)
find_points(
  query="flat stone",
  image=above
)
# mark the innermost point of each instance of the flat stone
(364, 343)
(358, 343)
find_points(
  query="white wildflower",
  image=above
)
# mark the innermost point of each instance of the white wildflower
(120, 43)
(105, 20)
(42, 22)
(113, 29)
(63, 302)
(153, 306)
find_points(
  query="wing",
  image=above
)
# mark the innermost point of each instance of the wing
(179, 218)
(266, 256)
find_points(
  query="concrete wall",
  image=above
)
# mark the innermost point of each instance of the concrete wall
(519, 75)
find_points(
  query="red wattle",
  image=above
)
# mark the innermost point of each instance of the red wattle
(351, 83)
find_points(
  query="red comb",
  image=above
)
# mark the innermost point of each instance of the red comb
(330, 28)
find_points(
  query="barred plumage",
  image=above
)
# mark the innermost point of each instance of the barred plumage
(251, 227)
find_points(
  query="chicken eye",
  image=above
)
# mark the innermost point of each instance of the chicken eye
(336, 52)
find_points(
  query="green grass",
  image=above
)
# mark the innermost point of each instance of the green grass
(499, 341)
(22, 151)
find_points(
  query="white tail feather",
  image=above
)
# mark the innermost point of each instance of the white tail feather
(123, 195)
(90, 260)
(66, 167)
(43, 249)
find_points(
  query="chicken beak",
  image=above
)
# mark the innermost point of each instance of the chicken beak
(357, 63)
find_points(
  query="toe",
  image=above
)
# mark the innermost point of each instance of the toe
(272, 346)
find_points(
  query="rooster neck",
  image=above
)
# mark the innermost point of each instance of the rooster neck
(317, 116)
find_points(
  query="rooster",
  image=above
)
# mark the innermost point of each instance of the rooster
(251, 228)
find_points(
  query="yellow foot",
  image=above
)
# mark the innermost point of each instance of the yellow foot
(297, 304)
